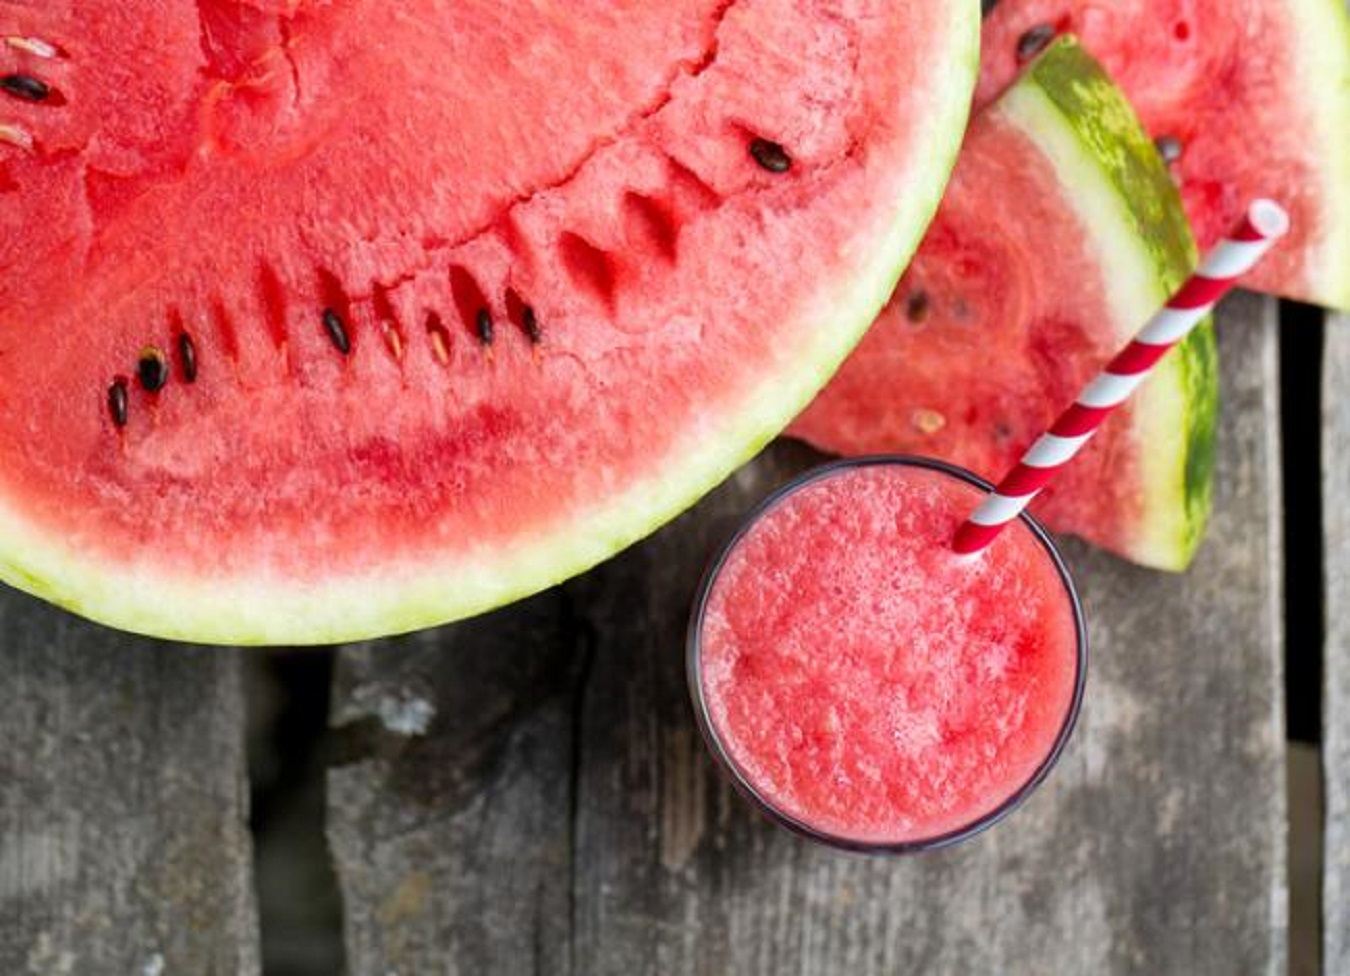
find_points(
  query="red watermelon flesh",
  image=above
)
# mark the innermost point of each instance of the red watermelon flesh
(475, 292)
(1254, 96)
(980, 347)
(1059, 234)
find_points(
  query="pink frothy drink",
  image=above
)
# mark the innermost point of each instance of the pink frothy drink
(867, 685)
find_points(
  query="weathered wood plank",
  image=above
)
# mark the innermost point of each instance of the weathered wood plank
(123, 838)
(451, 801)
(1336, 661)
(1157, 847)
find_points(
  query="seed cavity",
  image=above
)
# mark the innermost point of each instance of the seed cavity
(337, 331)
(226, 329)
(652, 222)
(393, 340)
(387, 316)
(16, 136)
(1034, 41)
(917, 306)
(523, 316)
(1169, 148)
(272, 297)
(34, 46)
(589, 267)
(117, 401)
(689, 191)
(770, 156)
(482, 325)
(187, 357)
(530, 323)
(440, 338)
(26, 87)
(152, 369)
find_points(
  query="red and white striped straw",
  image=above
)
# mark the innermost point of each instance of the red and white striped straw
(1263, 224)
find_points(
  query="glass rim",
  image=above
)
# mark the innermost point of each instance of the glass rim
(739, 779)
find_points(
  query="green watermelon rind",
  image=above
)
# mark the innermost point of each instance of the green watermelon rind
(1321, 33)
(1135, 219)
(260, 610)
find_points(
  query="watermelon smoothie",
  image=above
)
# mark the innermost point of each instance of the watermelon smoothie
(866, 685)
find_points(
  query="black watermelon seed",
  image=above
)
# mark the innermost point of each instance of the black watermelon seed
(483, 324)
(187, 357)
(1034, 41)
(1169, 148)
(337, 331)
(530, 321)
(770, 156)
(916, 307)
(27, 87)
(117, 401)
(152, 369)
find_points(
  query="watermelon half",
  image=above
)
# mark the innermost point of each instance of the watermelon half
(326, 320)
(1060, 235)
(1247, 98)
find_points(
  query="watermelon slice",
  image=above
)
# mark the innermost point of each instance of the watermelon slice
(321, 321)
(1060, 234)
(1246, 98)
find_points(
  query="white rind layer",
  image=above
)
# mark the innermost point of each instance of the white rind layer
(1134, 292)
(1321, 30)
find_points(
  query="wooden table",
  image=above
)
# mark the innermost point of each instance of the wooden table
(526, 792)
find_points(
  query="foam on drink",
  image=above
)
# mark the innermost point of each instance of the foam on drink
(870, 684)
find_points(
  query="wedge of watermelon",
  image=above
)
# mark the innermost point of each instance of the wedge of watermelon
(1247, 98)
(1060, 234)
(320, 321)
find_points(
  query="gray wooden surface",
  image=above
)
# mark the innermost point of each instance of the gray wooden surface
(451, 797)
(1336, 677)
(124, 846)
(527, 792)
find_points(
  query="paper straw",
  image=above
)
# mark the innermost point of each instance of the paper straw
(1263, 224)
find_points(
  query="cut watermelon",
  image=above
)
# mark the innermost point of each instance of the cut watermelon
(320, 321)
(1060, 234)
(1247, 98)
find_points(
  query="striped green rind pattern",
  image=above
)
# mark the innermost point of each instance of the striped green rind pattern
(1183, 394)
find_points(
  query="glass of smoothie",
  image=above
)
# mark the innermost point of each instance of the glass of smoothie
(867, 686)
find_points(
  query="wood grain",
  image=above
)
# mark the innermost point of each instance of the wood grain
(450, 801)
(1336, 661)
(123, 838)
